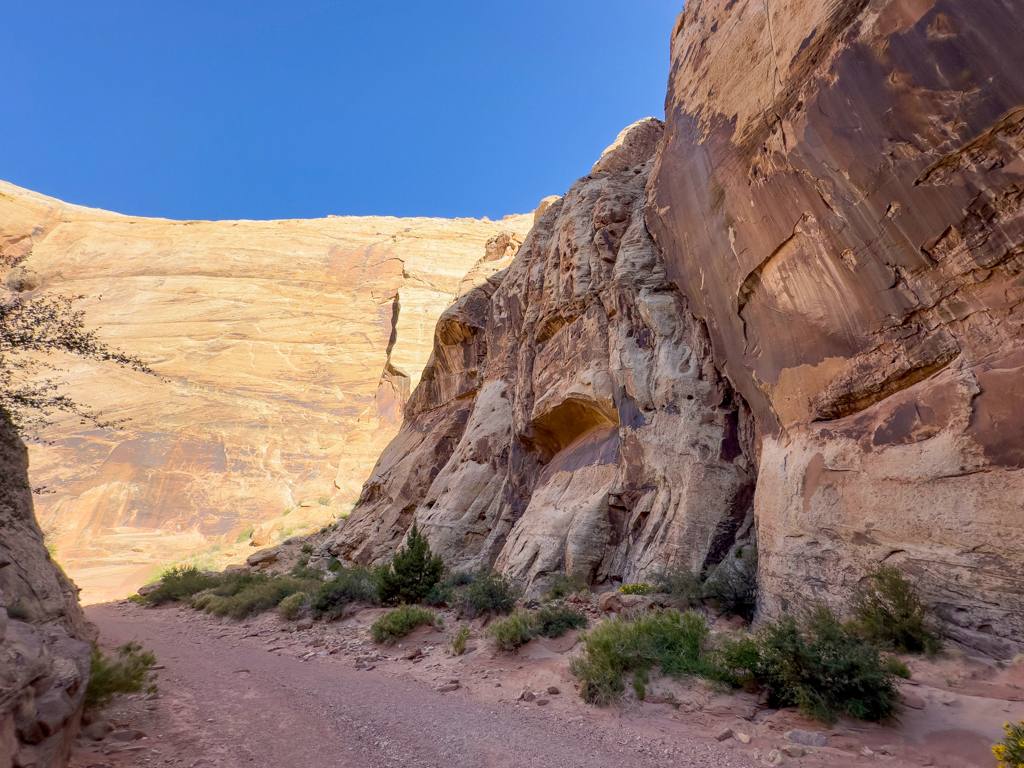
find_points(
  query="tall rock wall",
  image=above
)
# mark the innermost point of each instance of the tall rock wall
(44, 637)
(285, 351)
(570, 417)
(841, 197)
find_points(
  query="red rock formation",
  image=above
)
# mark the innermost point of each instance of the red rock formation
(841, 197)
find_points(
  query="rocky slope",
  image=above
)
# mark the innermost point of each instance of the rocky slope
(44, 648)
(832, 314)
(841, 196)
(285, 351)
(570, 416)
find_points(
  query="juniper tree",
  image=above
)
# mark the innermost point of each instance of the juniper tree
(413, 572)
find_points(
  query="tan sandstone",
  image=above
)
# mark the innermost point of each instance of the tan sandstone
(285, 351)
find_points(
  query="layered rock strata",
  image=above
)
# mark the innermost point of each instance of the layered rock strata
(44, 638)
(570, 417)
(841, 197)
(285, 351)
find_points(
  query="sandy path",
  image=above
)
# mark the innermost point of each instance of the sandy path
(231, 703)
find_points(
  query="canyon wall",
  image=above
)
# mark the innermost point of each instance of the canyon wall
(570, 417)
(831, 320)
(841, 196)
(284, 352)
(44, 637)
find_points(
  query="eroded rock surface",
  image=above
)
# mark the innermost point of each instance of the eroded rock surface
(285, 351)
(44, 648)
(570, 416)
(841, 197)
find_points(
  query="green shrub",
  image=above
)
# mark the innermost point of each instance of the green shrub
(641, 679)
(897, 667)
(245, 534)
(732, 586)
(674, 642)
(251, 596)
(512, 632)
(681, 584)
(128, 672)
(290, 608)
(816, 664)
(458, 646)
(636, 589)
(488, 593)
(398, 623)
(889, 611)
(324, 501)
(181, 582)
(1010, 752)
(554, 621)
(307, 549)
(19, 611)
(350, 585)
(334, 565)
(563, 585)
(413, 573)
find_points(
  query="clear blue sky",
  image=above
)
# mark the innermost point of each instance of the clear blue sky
(218, 109)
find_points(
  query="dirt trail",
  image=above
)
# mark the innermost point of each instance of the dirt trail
(229, 703)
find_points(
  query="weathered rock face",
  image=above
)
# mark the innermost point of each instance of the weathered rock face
(44, 648)
(285, 351)
(841, 197)
(570, 416)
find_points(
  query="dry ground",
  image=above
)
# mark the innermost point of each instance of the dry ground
(260, 693)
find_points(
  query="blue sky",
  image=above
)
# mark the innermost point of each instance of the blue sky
(217, 109)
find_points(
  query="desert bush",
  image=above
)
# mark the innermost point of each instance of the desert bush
(514, 631)
(889, 611)
(127, 672)
(489, 592)
(681, 584)
(398, 623)
(552, 621)
(18, 611)
(636, 589)
(181, 582)
(350, 585)
(413, 572)
(290, 607)
(458, 644)
(307, 549)
(245, 534)
(897, 667)
(563, 585)
(253, 596)
(1010, 752)
(443, 593)
(675, 643)
(816, 664)
(732, 586)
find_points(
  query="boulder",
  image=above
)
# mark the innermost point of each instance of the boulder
(264, 556)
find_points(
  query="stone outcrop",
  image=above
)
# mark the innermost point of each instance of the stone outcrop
(833, 311)
(841, 197)
(44, 637)
(570, 417)
(285, 351)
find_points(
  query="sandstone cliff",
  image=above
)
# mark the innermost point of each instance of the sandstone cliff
(833, 312)
(570, 416)
(44, 648)
(841, 196)
(285, 351)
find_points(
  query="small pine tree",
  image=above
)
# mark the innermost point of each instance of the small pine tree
(413, 573)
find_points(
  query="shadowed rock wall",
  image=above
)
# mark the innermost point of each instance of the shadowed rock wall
(841, 197)
(44, 648)
(570, 416)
